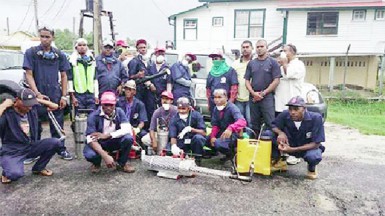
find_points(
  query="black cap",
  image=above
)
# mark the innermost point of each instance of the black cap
(28, 97)
(296, 101)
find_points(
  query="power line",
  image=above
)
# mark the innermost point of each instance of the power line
(156, 5)
(48, 10)
(60, 10)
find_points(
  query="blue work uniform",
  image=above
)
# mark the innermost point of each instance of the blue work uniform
(109, 79)
(311, 130)
(262, 73)
(135, 113)
(134, 66)
(223, 119)
(18, 145)
(46, 75)
(225, 81)
(95, 123)
(191, 141)
(152, 101)
(179, 71)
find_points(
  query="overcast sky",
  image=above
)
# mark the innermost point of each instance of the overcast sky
(134, 18)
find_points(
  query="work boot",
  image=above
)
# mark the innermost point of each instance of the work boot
(5, 180)
(279, 165)
(312, 173)
(95, 169)
(127, 168)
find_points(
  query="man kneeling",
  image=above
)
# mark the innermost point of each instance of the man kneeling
(19, 132)
(108, 130)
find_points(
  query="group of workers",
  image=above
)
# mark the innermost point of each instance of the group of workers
(129, 108)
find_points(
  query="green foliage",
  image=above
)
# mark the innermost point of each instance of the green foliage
(64, 39)
(367, 116)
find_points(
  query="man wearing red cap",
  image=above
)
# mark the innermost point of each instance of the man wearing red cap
(108, 130)
(181, 77)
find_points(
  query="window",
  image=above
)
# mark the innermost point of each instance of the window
(217, 21)
(359, 15)
(322, 23)
(380, 15)
(190, 29)
(249, 23)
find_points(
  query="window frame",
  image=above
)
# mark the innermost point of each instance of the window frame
(375, 14)
(322, 13)
(248, 25)
(217, 17)
(196, 28)
(359, 10)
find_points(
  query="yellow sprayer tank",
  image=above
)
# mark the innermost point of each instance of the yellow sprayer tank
(245, 153)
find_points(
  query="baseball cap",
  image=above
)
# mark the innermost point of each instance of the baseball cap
(192, 56)
(160, 49)
(183, 102)
(121, 43)
(108, 43)
(167, 94)
(141, 41)
(296, 101)
(130, 84)
(28, 97)
(216, 54)
(108, 98)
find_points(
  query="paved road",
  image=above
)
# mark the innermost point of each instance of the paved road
(351, 183)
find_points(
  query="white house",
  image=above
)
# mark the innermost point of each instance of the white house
(321, 30)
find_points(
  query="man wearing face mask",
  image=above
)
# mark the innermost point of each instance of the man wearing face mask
(82, 82)
(221, 76)
(161, 119)
(133, 108)
(187, 131)
(110, 72)
(227, 122)
(108, 130)
(181, 78)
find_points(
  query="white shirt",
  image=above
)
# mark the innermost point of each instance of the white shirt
(290, 84)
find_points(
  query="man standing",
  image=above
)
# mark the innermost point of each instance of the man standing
(221, 76)
(262, 77)
(133, 108)
(19, 137)
(239, 65)
(42, 64)
(82, 84)
(108, 130)
(299, 133)
(181, 77)
(187, 131)
(110, 72)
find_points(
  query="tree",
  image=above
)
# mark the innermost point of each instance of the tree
(64, 39)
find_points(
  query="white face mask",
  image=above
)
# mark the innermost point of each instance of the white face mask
(160, 59)
(220, 108)
(283, 55)
(183, 116)
(166, 106)
(184, 62)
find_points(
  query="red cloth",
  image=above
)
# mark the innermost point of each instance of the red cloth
(238, 125)
(214, 132)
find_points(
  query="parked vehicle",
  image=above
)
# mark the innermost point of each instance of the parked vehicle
(11, 65)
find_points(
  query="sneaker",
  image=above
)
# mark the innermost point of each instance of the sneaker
(95, 169)
(126, 168)
(291, 160)
(65, 155)
(312, 175)
(279, 165)
(5, 180)
(31, 160)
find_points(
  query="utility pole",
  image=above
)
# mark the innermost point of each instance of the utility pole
(8, 26)
(73, 25)
(97, 28)
(36, 19)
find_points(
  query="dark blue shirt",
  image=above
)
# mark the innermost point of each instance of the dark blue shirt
(95, 122)
(195, 120)
(179, 71)
(45, 71)
(225, 81)
(231, 114)
(311, 129)
(160, 82)
(136, 113)
(109, 80)
(262, 73)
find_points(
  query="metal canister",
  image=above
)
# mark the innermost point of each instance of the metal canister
(80, 138)
(162, 140)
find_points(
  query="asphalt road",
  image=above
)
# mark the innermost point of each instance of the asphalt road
(351, 182)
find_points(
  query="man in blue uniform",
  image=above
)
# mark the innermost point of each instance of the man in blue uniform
(133, 108)
(19, 137)
(221, 76)
(110, 72)
(187, 130)
(300, 133)
(227, 122)
(82, 84)
(42, 64)
(181, 77)
(108, 130)
(262, 77)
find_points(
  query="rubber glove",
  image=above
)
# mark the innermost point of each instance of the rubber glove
(175, 149)
(184, 131)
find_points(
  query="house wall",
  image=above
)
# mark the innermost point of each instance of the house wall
(211, 38)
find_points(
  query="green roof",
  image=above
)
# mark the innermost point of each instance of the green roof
(187, 11)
